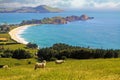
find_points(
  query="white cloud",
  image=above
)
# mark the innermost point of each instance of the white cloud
(67, 4)
(78, 4)
(15, 4)
(95, 4)
(107, 5)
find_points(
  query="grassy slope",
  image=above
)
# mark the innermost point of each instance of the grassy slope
(6, 35)
(19, 46)
(13, 46)
(52, 9)
(99, 69)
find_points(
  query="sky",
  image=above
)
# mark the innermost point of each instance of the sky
(64, 4)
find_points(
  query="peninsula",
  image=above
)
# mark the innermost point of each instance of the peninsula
(57, 20)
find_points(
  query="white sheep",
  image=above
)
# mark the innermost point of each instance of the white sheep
(40, 65)
(5, 67)
(59, 61)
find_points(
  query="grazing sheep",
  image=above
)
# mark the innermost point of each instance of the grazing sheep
(59, 61)
(5, 67)
(40, 65)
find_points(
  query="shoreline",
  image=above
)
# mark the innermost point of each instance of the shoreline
(15, 33)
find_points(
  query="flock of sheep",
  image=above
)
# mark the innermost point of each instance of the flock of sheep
(43, 64)
(37, 65)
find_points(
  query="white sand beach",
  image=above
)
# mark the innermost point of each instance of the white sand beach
(15, 33)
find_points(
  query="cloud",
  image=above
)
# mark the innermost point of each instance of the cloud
(65, 4)
(13, 5)
(95, 4)
(106, 5)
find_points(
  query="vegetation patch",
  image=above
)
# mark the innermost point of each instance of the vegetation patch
(63, 51)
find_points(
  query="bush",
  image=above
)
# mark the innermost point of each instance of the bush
(53, 59)
(29, 62)
(64, 57)
(31, 45)
(21, 54)
(7, 54)
(46, 54)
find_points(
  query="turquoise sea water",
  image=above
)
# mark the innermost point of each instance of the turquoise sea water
(101, 32)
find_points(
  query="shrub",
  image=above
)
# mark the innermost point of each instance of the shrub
(53, 59)
(64, 57)
(46, 53)
(21, 54)
(32, 45)
(29, 62)
(7, 54)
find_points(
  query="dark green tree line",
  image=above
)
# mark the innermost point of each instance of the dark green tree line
(63, 50)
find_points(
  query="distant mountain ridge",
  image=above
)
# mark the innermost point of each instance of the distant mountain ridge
(38, 9)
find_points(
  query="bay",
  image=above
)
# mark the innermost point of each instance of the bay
(101, 32)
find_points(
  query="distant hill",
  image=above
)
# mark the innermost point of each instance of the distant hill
(38, 9)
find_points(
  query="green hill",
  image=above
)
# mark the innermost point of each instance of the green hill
(52, 9)
(38, 9)
(94, 69)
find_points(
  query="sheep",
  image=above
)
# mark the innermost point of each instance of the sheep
(5, 67)
(59, 61)
(40, 65)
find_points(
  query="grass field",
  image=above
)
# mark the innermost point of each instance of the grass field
(13, 46)
(96, 69)
(19, 46)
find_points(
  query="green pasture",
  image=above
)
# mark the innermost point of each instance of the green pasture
(94, 69)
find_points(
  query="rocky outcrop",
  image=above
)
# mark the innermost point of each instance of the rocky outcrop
(85, 17)
(72, 18)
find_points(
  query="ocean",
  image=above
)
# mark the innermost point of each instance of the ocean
(101, 32)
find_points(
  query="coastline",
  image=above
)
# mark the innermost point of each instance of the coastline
(15, 33)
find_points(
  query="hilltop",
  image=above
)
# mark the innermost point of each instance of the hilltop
(38, 9)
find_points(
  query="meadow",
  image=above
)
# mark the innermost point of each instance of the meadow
(12, 45)
(72, 69)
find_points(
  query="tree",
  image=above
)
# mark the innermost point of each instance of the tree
(61, 51)
(46, 54)
(21, 54)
